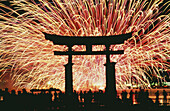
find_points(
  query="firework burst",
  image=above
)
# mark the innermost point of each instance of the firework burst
(28, 60)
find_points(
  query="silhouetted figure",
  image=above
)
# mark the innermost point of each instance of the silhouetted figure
(6, 99)
(157, 98)
(140, 96)
(131, 98)
(124, 96)
(75, 96)
(75, 100)
(136, 97)
(17, 100)
(0, 92)
(144, 97)
(61, 97)
(1, 99)
(13, 95)
(96, 97)
(87, 99)
(147, 94)
(1, 96)
(102, 97)
(49, 99)
(56, 97)
(81, 96)
(165, 97)
(24, 103)
(6, 95)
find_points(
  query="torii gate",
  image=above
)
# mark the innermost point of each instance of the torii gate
(89, 41)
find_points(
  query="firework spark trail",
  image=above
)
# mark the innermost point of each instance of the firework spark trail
(29, 58)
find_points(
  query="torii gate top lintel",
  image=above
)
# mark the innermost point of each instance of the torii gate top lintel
(87, 40)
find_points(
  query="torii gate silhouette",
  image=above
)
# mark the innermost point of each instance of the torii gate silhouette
(89, 41)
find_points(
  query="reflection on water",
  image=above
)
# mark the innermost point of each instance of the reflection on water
(152, 95)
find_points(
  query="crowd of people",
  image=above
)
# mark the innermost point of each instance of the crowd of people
(54, 99)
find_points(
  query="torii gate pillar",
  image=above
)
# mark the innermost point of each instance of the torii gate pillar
(110, 77)
(68, 74)
(110, 82)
